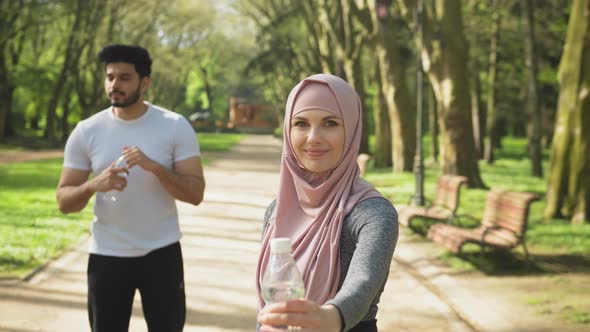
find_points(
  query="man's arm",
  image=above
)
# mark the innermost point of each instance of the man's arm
(74, 189)
(184, 182)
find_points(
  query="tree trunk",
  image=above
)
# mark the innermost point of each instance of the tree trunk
(6, 128)
(568, 189)
(65, 128)
(476, 112)
(445, 61)
(492, 130)
(321, 37)
(433, 123)
(532, 105)
(208, 90)
(355, 77)
(394, 87)
(90, 94)
(383, 150)
(13, 23)
(6, 93)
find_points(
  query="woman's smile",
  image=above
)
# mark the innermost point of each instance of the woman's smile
(316, 152)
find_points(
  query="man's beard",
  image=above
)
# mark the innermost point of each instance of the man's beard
(129, 101)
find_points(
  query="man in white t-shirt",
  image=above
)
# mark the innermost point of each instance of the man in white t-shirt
(135, 238)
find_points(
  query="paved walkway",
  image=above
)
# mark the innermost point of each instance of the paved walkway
(220, 246)
(12, 156)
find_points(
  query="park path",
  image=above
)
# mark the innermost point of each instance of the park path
(18, 156)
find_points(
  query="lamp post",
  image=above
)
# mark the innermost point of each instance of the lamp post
(418, 198)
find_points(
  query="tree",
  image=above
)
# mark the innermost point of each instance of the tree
(476, 111)
(568, 192)
(14, 21)
(180, 46)
(383, 142)
(532, 106)
(86, 16)
(286, 52)
(89, 79)
(433, 123)
(394, 87)
(348, 25)
(493, 136)
(321, 38)
(476, 17)
(445, 61)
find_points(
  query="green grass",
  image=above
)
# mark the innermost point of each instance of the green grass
(575, 316)
(218, 141)
(32, 230)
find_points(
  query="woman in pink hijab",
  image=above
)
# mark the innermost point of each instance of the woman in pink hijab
(343, 232)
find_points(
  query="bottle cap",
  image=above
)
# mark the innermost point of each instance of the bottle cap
(280, 245)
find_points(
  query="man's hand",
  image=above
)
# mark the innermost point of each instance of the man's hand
(74, 189)
(134, 156)
(109, 179)
(185, 181)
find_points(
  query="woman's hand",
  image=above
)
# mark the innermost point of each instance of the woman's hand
(306, 315)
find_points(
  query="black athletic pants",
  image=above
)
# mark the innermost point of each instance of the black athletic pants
(365, 326)
(159, 277)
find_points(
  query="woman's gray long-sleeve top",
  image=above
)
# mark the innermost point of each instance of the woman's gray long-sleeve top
(368, 239)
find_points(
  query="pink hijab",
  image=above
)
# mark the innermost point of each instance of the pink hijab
(311, 215)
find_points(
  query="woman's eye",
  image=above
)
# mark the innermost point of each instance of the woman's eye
(299, 124)
(331, 123)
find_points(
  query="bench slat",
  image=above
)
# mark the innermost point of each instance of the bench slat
(503, 225)
(445, 204)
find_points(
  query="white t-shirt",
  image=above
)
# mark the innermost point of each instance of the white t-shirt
(144, 217)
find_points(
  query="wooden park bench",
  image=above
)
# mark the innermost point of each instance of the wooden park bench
(503, 226)
(445, 204)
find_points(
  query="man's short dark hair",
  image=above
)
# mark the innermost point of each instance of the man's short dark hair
(136, 55)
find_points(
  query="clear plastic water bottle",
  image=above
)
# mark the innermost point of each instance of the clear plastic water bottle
(282, 280)
(111, 196)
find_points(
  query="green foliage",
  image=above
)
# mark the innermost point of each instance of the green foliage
(182, 36)
(278, 132)
(286, 51)
(576, 316)
(550, 26)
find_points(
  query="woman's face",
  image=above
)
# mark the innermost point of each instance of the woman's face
(317, 138)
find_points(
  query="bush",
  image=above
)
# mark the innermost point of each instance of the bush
(278, 133)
